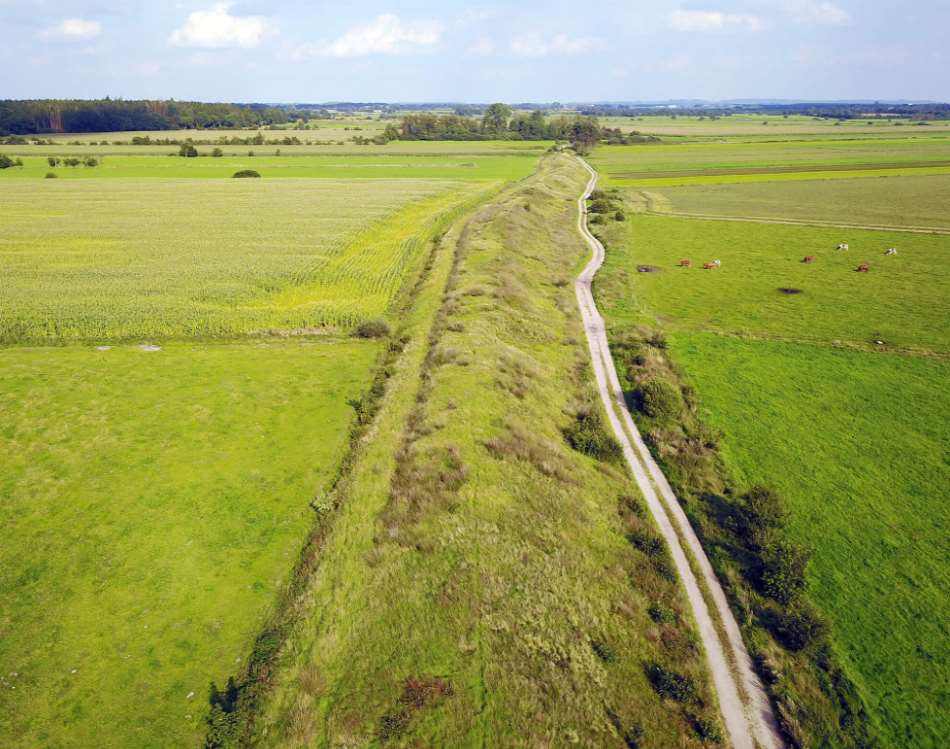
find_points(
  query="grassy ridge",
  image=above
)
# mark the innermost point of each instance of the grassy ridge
(477, 586)
(168, 492)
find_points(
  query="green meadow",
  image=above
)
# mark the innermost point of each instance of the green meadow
(179, 383)
(827, 384)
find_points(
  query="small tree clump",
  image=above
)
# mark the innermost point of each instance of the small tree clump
(53, 161)
(783, 566)
(6, 162)
(620, 216)
(217, 153)
(245, 174)
(188, 151)
(91, 162)
(587, 435)
(659, 399)
(799, 625)
(373, 329)
(762, 513)
(601, 205)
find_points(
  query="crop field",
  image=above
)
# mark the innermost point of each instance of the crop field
(114, 259)
(827, 384)
(178, 385)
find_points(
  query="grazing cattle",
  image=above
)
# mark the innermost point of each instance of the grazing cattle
(892, 251)
(684, 263)
(843, 247)
(711, 266)
(808, 259)
(863, 268)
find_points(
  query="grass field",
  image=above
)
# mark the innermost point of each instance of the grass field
(765, 126)
(735, 160)
(153, 503)
(419, 164)
(852, 432)
(169, 485)
(894, 201)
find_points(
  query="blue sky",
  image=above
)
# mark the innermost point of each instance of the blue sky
(531, 50)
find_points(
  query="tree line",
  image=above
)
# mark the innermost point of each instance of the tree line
(108, 115)
(498, 122)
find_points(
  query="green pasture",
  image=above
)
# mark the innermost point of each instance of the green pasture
(732, 161)
(153, 503)
(835, 395)
(764, 125)
(856, 442)
(98, 259)
(415, 164)
(921, 201)
(901, 301)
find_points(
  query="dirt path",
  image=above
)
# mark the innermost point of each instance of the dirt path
(745, 707)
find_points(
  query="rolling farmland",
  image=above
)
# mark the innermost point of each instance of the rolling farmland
(826, 384)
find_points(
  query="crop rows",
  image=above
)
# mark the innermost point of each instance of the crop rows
(123, 260)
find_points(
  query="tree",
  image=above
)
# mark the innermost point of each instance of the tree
(495, 119)
(53, 161)
(188, 151)
(585, 132)
(217, 153)
(5, 161)
(783, 570)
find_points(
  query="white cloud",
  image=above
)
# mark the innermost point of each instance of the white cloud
(216, 28)
(385, 35)
(706, 21)
(73, 28)
(825, 13)
(535, 45)
(674, 64)
(481, 47)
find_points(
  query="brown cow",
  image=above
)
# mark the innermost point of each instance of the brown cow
(808, 259)
(684, 263)
(709, 266)
(863, 268)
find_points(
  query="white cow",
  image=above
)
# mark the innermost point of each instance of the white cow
(892, 251)
(843, 247)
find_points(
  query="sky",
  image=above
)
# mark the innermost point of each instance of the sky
(471, 51)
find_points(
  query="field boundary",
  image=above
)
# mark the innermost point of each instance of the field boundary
(749, 725)
(796, 222)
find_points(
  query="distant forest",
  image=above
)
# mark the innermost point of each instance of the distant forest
(65, 116)
(824, 110)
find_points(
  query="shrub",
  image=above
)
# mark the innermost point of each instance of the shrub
(587, 435)
(670, 684)
(662, 614)
(72, 162)
(597, 219)
(52, 175)
(245, 174)
(659, 399)
(5, 161)
(799, 625)
(762, 512)
(53, 161)
(91, 162)
(373, 329)
(598, 195)
(217, 153)
(600, 205)
(708, 730)
(783, 566)
(620, 216)
(188, 151)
